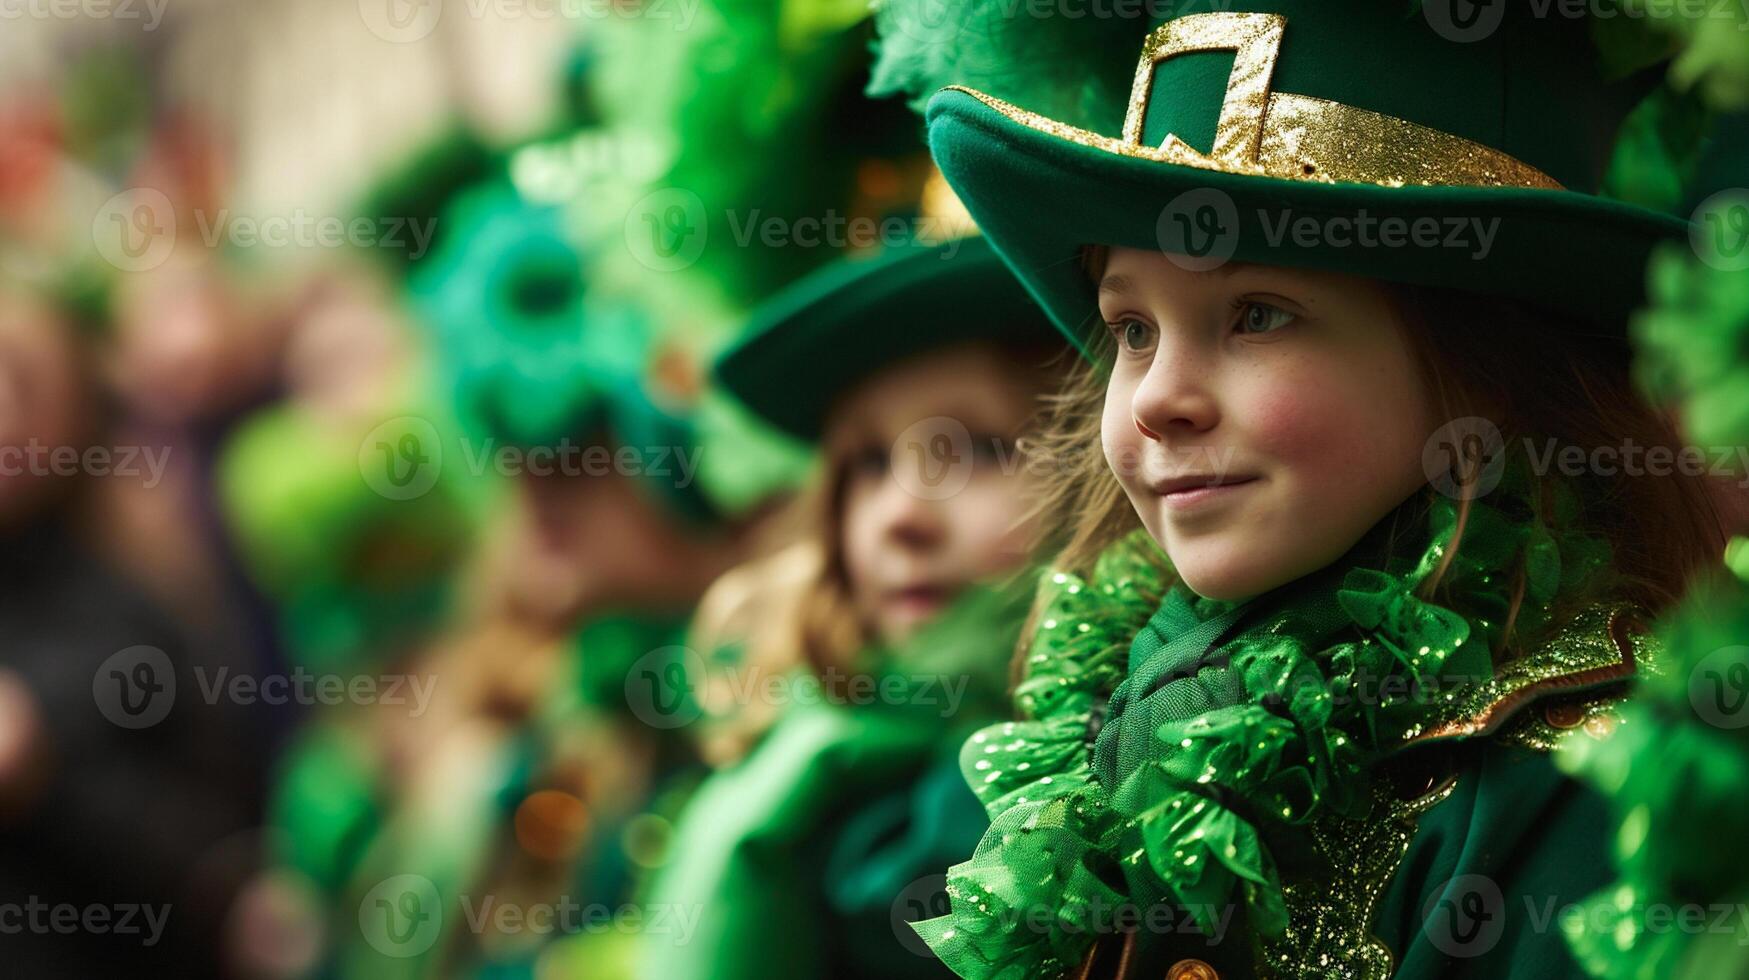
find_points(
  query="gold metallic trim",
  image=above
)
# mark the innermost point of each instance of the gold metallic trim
(1280, 134)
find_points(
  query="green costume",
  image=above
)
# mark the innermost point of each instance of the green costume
(840, 819)
(1338, 778)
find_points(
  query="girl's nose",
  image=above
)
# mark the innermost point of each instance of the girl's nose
(910, 517)
(1174, 395)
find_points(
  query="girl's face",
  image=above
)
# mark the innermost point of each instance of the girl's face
(1261, 419)
(934, 495)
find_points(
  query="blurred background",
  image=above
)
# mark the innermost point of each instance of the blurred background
(356, 452)
(359, 469)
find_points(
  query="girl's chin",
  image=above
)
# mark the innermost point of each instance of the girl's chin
(1222, 577)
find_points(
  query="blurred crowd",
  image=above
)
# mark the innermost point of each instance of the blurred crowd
(331, 545)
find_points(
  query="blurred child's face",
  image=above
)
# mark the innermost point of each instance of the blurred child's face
(1261, 419)
(935, 497)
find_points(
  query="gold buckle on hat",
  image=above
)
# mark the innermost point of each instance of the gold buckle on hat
(1284, 135)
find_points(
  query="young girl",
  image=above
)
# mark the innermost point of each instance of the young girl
(1331, 593)
(894, 612)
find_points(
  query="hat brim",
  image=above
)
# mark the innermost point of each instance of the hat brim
(807, 347)
(1041, 198)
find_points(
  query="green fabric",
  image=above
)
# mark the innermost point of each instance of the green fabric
(604, 650)
(1231, 727)
(829, 824)
(1533, 89)
(1492, 871)
(809, 345)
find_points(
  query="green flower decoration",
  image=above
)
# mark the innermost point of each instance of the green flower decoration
(527, 357)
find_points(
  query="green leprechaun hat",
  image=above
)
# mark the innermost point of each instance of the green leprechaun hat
(1442, 143)
(812, 342)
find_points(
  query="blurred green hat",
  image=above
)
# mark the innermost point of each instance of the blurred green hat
(816, 340)
(359, 566)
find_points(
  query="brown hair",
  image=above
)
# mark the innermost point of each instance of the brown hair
(1537, 374)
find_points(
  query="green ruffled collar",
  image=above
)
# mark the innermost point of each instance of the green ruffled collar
(1209, 751)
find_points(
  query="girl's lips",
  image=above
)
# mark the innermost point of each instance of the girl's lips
(1202, 496)
(919, 599)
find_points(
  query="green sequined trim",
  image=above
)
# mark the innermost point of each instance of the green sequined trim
(1329, 933)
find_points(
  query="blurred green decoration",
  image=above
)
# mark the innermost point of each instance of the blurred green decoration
(760, 105)
(1658, 149)
(1694, 343)
(359, 561)
(1676, 769)
(420, 186)
(326, 805)
(1031, 61)
(506, 301)
(1677, 774)
(1692, 339)
(1714, 54)
(749, 151)
(531, 354)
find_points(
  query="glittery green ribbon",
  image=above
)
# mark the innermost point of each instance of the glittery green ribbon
(1228, 726)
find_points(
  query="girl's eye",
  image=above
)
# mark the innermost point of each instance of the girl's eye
(870, 461)
(1258, 318)
(1133, 335)
(992, 449)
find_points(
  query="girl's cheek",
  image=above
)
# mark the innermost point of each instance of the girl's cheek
(1302, 421)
